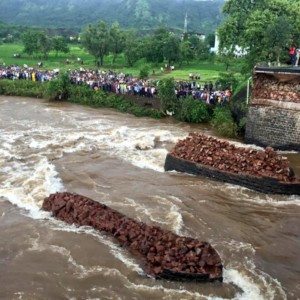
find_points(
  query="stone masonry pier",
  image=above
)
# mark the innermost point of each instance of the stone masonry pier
(274, 113)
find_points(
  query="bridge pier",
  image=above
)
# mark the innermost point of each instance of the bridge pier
(274, 112)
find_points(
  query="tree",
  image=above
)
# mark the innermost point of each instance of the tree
(117, 40)
(210, 40)
(167, 95)
(30, 42)
(44, 44)
(36, 42)
(59, 88)
(171, 49)
(154, 45)
(96, 40)
(133, 48)
(186, 51)
(60, 44)
(278, 35)
(259, 25)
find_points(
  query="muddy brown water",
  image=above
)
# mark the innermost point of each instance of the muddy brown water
(46, 148)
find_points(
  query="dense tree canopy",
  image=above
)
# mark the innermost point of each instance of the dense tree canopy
(36, 42)
(265, 28)
(97, 41)
(39, 43)
(59, 44)
(204, 16)
(117, 43)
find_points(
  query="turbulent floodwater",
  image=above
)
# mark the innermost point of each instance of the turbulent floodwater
(45, 148)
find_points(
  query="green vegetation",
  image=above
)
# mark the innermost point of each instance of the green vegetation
(84, 95)
(193, 111)
(97, 41)
(265, 28)
(167, 96)
(144, 72)
(204, 16)
(60, 88)
(188, 110)
(23, 88)
(162, 46)
(223, 122)
(209, 70)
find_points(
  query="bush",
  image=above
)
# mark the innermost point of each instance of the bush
(23, 88)
(167, 95)
(223, 122)
(239, 107)
(227, 81)
(144, 72)
(59, 88)
(81, 95)
(84, 95)
(194, 111)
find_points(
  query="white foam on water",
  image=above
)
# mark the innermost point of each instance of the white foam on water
(259, 286)
(170, 293)
(115, 250)
(29, 177)
(247, 195)
(244, 274)
(169, 214)
(81, 270)
(250, 289)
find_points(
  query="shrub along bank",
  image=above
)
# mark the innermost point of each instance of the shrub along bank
(23, 88)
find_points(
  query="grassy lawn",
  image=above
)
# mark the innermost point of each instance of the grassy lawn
(209, 71)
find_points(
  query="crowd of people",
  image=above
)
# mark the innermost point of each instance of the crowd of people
(113, 82)
(120, 83)
(26, 73)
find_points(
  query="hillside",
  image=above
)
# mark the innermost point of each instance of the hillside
(204, 15)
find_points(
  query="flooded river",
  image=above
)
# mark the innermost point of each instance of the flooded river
(45, 148)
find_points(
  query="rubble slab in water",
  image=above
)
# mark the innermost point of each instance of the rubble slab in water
(225, 156)
(262, 171)
(163, 254)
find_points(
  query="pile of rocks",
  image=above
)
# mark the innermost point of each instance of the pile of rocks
(268, 87)
(225, 156)
(163, 253)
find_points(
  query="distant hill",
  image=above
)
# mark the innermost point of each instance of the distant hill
(204, 16)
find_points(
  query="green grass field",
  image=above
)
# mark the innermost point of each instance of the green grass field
(209, 71)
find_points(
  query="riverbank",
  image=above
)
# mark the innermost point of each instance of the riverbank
(81, 95)
(188, 109)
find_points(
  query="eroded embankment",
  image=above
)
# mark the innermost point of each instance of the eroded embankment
(163, 254)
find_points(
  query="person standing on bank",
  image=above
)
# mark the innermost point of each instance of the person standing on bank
(292, 53)
(297, 57)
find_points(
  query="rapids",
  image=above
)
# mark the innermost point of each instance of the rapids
(118, 159)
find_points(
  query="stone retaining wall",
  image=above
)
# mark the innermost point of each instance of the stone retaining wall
(274, 114)
(275, 127)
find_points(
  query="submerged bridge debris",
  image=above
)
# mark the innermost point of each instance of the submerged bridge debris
(261, 170)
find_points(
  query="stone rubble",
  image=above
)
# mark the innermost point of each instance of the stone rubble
(225, 156)
(163, 253)
(268, 87)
